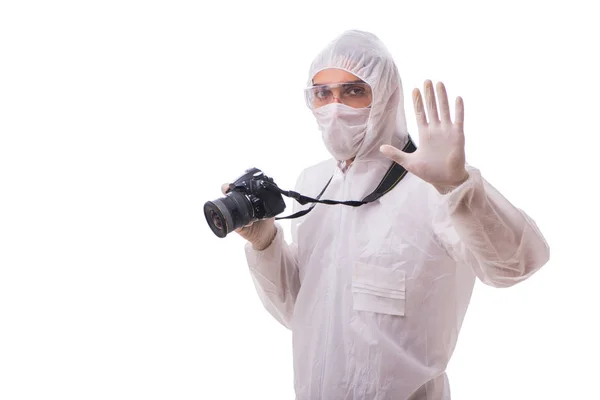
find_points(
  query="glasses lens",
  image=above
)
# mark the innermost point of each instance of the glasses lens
(353, 94)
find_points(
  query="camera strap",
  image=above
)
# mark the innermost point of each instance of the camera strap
(393, 175)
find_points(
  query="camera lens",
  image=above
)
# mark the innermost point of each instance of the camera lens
(228, 213)
(216, 219)
(215, 216)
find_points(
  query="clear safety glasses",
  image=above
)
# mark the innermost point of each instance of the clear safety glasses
(353, 94)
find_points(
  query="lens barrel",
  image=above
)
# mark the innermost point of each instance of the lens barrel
(228, 213)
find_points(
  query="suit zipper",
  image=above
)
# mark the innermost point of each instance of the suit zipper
(332, 274)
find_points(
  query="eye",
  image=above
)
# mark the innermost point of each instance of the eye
(322, 93)
(356, 91)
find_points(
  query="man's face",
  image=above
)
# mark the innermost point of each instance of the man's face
(338, 86)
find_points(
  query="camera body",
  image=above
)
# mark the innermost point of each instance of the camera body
(251, 198)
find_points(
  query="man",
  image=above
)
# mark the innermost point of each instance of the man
(375, 295)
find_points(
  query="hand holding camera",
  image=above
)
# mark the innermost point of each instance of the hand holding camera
(248, 208)
(260, 233)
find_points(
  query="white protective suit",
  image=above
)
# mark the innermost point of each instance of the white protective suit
(375, 295)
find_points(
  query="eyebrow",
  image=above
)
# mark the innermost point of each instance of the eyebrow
(325, 84)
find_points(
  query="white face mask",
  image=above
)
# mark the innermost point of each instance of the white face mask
(343, 127)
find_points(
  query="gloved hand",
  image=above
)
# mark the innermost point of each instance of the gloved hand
(440, 157)
(259, 233)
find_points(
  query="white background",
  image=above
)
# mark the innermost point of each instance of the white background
(119, 119)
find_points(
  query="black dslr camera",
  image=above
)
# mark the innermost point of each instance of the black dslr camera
(251, 197)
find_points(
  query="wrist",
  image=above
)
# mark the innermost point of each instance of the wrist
(447, 188)
(261, 245)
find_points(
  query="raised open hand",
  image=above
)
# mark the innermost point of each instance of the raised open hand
(440, 157)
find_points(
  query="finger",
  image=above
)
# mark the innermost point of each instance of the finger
(394, 154)
(443, 100)
(419, 110)
(244, 228)
(430, 102)
(459, 118)
(225, 188)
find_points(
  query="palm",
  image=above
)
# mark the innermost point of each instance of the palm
(440, 158)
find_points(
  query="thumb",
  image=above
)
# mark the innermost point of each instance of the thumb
(394, 154)
(225, 188)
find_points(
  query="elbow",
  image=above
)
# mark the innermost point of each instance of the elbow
(280, 306)
(542, 257)
(283, 315)
(535, 259)
(508, 274)
(504, 279)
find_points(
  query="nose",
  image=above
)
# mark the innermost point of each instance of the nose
(337, 95)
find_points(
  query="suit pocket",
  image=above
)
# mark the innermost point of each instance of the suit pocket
(379, 290)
